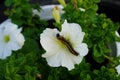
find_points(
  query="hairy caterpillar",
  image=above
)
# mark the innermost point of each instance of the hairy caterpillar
(68, 45)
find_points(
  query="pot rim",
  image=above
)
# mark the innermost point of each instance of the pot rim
(46, 12)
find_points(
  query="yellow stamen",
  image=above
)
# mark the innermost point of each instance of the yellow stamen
(6, 38)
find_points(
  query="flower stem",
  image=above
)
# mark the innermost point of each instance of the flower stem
(75, 4)
(109, 58)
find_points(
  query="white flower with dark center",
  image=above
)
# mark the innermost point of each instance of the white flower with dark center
(10, 39)
(64, 48)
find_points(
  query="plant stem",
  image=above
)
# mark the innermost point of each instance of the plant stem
(75, 4)
(109, 58)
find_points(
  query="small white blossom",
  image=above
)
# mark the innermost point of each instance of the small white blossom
(10, 39)
(64, 48)
(36, 12)
(82, 9)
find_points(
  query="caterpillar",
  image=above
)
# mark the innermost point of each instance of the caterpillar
(68, 45)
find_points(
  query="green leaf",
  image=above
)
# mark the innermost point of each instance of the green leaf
(29, 77)
(96, 52)
(17, 77)
(8, 3)
(50, 77)
(85, 75)
(19, 22)
(30, 46)
(99, 59)
(97, 1)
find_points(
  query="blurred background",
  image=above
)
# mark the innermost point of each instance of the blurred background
(110, 7)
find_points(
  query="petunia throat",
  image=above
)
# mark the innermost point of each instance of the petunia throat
(6, 38)
(68, 45)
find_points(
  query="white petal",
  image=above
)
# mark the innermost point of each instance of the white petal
(4, 53)
(82, 49)
(76, 35)
(1, 52)
(72, 32)
(67, 62)
(52, 53)
(13, 46)
(1, 39)
(65, 32)
(55, 60)
(118, 48)
(118, 69)
(17, 40)
(48, 40)
(1, 30)
(9, 27)
(76, 59)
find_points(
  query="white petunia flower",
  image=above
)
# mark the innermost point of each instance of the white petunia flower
(118, 69)
(64, 48)
(10, 39)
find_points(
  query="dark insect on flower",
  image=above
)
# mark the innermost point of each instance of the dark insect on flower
(68, 45)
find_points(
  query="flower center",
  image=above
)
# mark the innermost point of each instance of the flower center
(68, 45)
(6, 38)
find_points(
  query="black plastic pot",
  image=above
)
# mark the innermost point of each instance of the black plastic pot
(2, 9)
(111, 8)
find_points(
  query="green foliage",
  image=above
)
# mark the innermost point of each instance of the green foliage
(21, 11)
(27, 63)
(107, 74)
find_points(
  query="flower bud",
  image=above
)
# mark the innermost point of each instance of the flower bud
(56, 14)
(62, 2)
